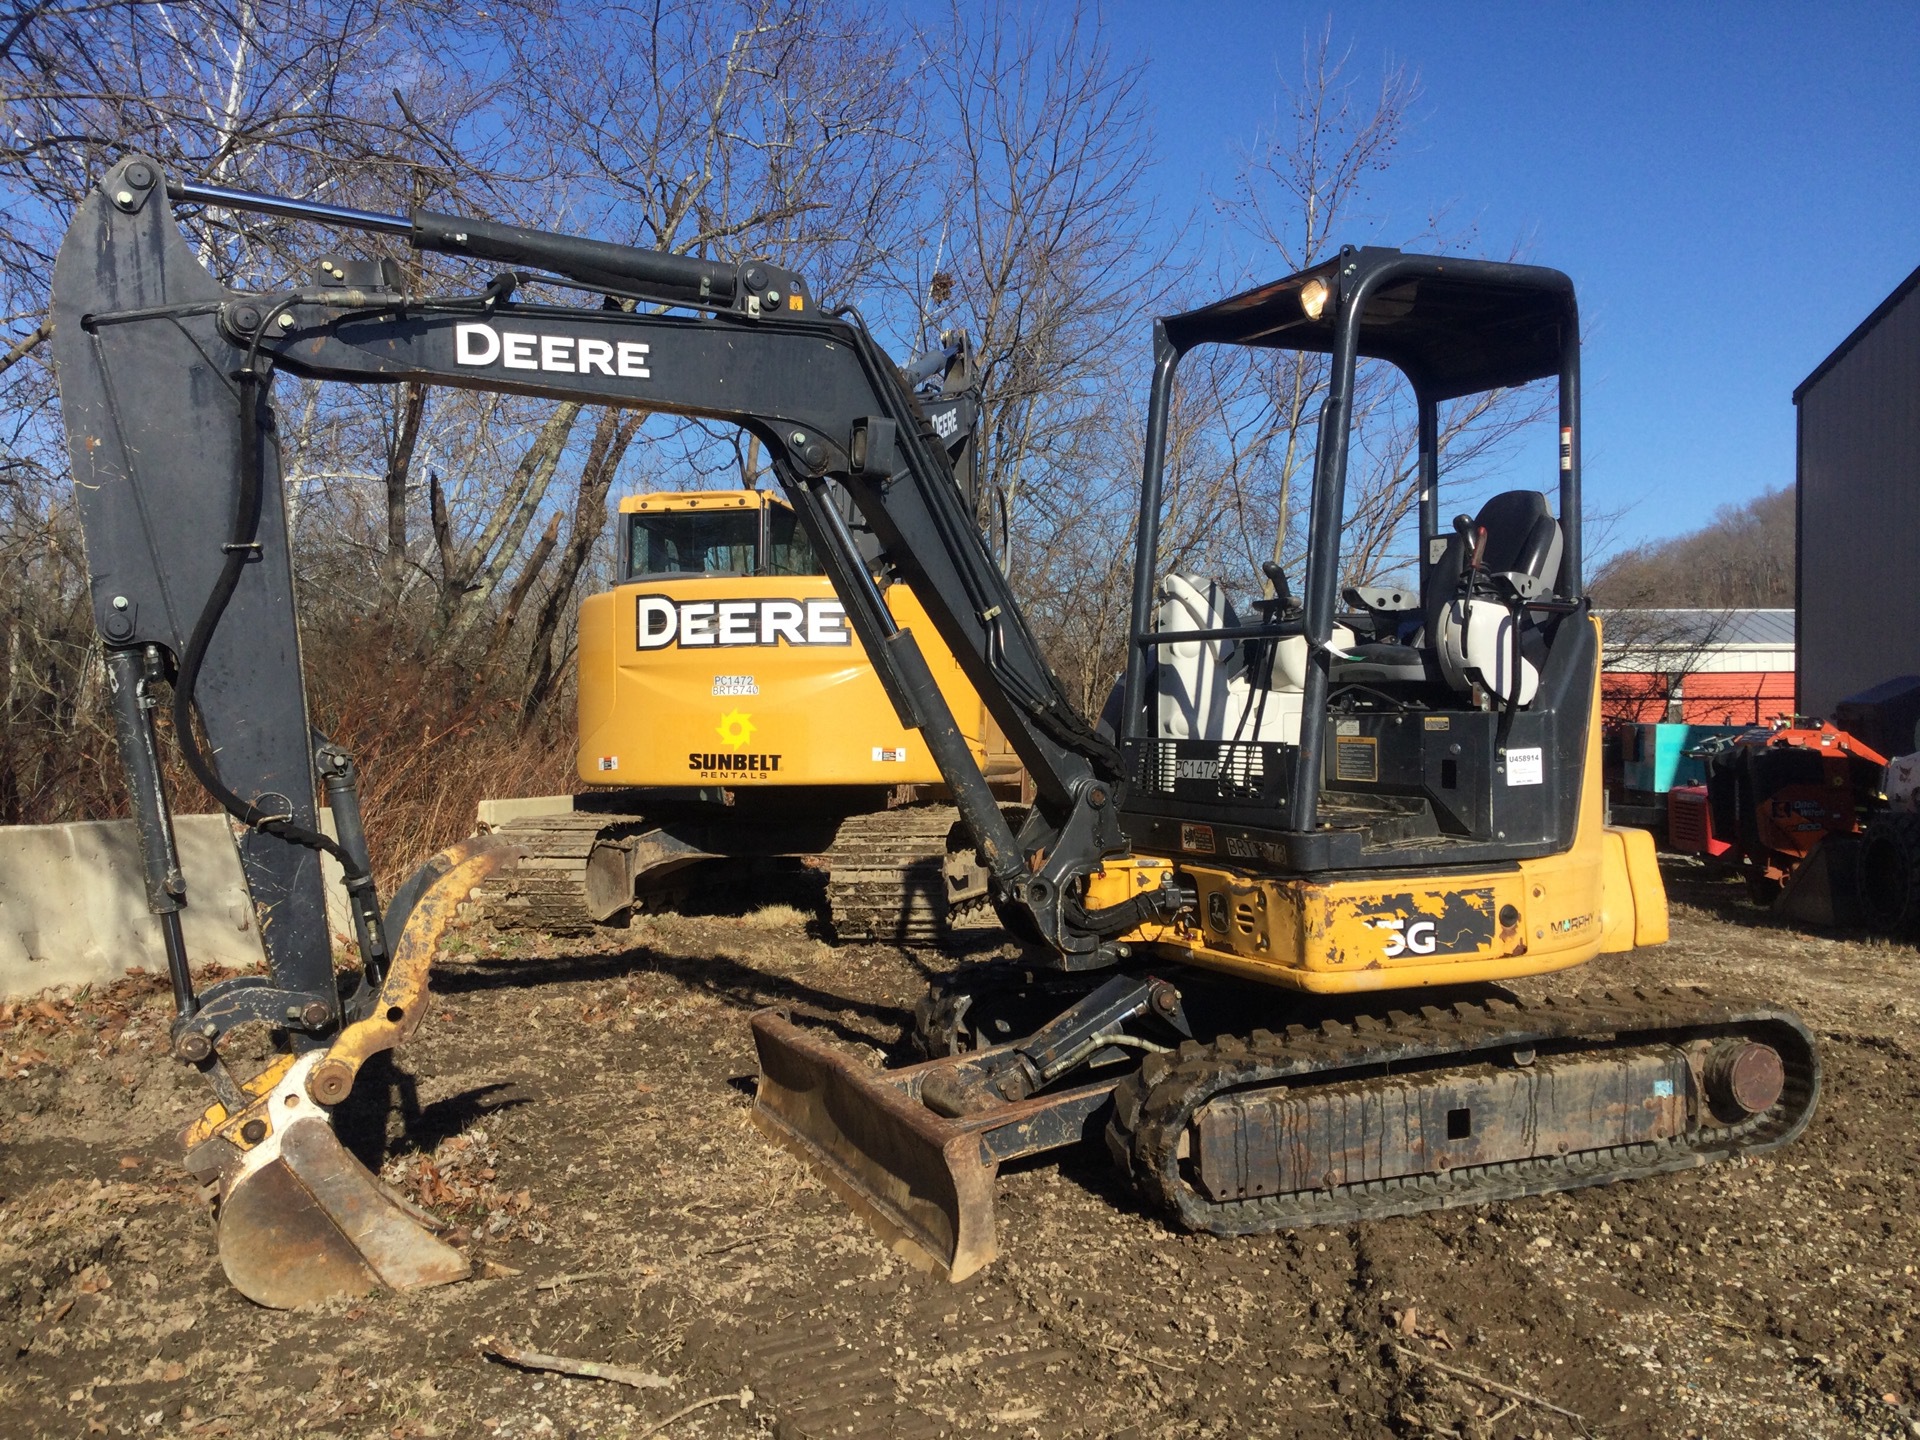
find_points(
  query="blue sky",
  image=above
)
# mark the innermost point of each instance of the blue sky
(1732, 188)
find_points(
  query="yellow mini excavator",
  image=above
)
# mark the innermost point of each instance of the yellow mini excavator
(728, 713)
(1270, 902)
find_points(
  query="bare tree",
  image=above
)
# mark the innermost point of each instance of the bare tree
(770, 128)
(1049, 251)
(404, 493)
(611, 437)
(355, 103)
(1666, 606)
(1301, 185)
(1303, 188)
(1744, 557)
(1647, 655)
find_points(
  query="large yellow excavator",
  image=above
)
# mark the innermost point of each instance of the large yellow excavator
(1270, 903)
(727, 712)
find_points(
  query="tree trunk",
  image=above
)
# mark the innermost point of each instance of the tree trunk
(611, 436)
(486, 561)
(517, 596)
(400, 447)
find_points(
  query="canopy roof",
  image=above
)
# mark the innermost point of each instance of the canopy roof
(1454, 326)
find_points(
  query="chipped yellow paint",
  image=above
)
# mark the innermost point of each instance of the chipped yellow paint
(257, 1089)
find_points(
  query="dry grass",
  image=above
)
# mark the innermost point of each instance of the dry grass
(776, 917)
(432, 737)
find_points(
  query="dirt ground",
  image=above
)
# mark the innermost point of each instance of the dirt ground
(581, 1113)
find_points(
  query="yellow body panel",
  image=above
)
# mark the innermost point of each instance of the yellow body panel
(736, 681)
(1335, 937)
(1633, 898)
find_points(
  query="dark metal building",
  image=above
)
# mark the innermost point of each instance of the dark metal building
(1857, 508)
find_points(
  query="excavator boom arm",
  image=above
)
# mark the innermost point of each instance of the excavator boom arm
(165, 378)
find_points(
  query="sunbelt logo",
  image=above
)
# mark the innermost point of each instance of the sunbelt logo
(480, 345)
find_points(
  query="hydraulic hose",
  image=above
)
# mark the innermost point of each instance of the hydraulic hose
(242, 542)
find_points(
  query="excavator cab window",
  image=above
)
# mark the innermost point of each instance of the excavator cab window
(789, 552)
(692, 542)
(765, 540)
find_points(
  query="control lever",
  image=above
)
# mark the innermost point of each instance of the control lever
(1277, 577)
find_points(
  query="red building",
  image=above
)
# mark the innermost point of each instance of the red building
(1702, 667)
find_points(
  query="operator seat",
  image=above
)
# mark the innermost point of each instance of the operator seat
(1193, 675)
(1212, 689)
(1466, 635)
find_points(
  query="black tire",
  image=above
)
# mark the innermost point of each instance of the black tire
(1890, 875)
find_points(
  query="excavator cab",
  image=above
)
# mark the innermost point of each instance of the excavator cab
(1440, 721)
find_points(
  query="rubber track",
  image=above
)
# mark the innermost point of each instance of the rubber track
(884, 874)
(545, 891)
(1153, 1106)
(885, 880)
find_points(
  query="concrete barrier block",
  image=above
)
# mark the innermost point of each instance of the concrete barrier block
(73, 906)
(339, 912)
(495, 813)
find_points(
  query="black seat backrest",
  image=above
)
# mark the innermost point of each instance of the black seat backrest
(1520, 532)
(1521, 536)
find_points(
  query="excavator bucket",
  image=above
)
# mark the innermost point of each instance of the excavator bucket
(300, 1220)
(923, 1181)
(316, 1224)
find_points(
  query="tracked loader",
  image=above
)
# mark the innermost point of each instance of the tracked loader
(1364, 818)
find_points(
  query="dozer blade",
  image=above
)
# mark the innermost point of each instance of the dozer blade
(300, 1220)
(924, 1182)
